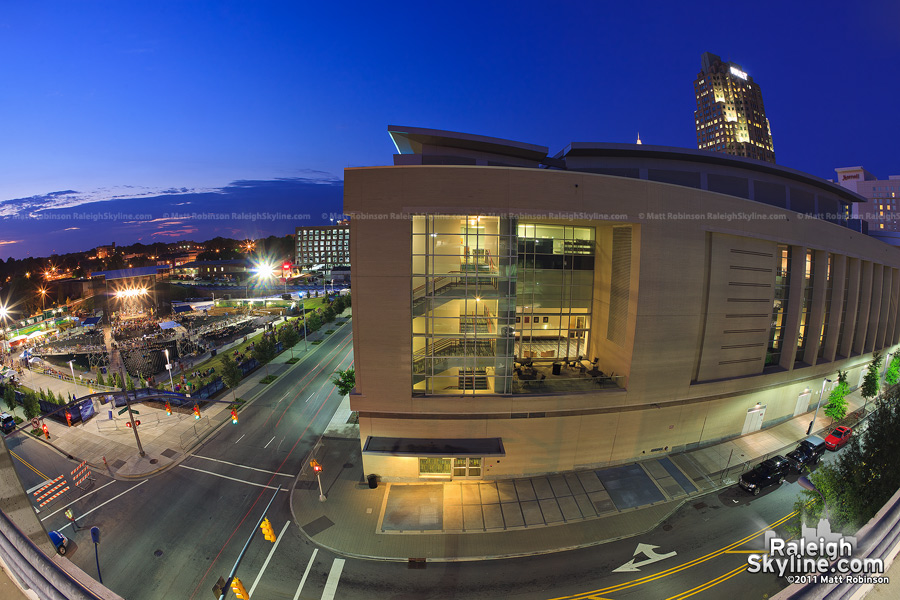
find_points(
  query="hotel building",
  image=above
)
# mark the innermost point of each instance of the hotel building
(881, 213)
(517, 313)
(730, 115)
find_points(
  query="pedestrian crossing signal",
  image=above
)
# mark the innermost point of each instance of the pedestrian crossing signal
(317, 468)
(197, 412)
(267, 530)
(234, 417)
(239, 590)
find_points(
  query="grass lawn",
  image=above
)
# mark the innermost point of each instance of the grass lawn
(268, 379)
(294, 360)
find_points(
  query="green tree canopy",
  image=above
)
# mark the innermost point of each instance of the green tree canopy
(32, 408)
(9, 396)
(100, 380)
(837, 399)
(344, 380)
(264, 351)
(231, 374)
(893, 372)
(871, 383)
(289, 337)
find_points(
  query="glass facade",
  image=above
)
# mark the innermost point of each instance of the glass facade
(463, 304)
(554, 292)
(779, 306)
(490, 291)
(829, 288)
(806, 305)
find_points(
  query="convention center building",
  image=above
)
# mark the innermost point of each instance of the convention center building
(517, 313)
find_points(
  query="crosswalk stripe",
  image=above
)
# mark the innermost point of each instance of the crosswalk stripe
(333, 577)
(306, 572)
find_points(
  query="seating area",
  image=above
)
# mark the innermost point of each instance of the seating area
(147, 361)
(576, 375)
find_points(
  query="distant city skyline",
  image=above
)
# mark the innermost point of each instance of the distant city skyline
(108, 101)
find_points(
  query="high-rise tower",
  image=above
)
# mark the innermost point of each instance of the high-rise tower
(730, 115)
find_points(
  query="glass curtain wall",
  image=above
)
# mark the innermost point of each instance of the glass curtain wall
(463, 304)
(806, 305)
(779, 307)
(555, 285)
(829, 288)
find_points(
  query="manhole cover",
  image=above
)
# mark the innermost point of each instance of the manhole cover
(667, 527)
(348, 465)
(153, 461)
(157, 553)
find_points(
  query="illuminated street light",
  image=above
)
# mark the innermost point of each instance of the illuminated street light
(43, 293)
(813, 422)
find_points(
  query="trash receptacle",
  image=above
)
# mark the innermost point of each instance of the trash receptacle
(373, 481)
(557, 368)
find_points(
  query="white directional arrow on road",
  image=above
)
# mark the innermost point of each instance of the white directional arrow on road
(648, 551)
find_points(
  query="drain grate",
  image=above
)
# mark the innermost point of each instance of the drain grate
(168, 453)
(118, 463)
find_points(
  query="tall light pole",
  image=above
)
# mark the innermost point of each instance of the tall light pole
(73, 371)
(169, 368)
(819, 403)
(131, 417)
(303, 312)
(43, 293)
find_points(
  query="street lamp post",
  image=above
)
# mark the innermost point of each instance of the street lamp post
(303, 312)
(71, 368)
(169, 368)
(813, 422)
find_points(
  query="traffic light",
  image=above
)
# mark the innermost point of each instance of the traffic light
(46, 431)
(317, 468)
(197, 411)
(168, 409)
(267, 530)
(234, 418)
(239, 590)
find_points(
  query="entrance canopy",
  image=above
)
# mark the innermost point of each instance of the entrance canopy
(434, 447)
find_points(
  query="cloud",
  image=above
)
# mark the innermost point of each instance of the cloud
(7, 242)
(71, 228)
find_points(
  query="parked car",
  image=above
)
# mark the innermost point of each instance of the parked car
(7, 422)
(766, 473)
(807, 453)
(59, 540)
(837, 438)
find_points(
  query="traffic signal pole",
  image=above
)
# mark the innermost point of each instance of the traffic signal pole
(240, 557)
(131, 416)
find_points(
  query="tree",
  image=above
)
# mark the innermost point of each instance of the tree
(129, 382)
(871, 383)
(9, 396)
(289, 337)
(344, 380)
(32, 408)
(231, 374)
(837, 399)
(100, 379)
(893, 372)
(329, 315)
(59, 398)
(264, 351)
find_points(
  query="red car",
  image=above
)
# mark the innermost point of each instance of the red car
(837, 438)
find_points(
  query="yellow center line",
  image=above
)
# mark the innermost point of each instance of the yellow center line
(708, 584)
(24, 462)
(682, 567)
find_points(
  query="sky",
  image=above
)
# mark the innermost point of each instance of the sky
(143, 110)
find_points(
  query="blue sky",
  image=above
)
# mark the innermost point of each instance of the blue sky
(110, 99)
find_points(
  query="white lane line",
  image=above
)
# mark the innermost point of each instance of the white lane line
(81, 498)
(270, 441)
(239, 439)
(268, 487)
(333, 576)
(310, 398)
(105, 503)
(38, 486)
(268, 558)
(225, 462)
(306, 572)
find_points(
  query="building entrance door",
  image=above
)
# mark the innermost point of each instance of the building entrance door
(802, 403)
(467, 468)
(754, 419)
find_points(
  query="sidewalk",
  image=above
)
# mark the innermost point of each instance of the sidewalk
(476, 520)
(107, 444)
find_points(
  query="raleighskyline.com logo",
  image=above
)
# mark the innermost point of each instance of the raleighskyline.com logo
(818, 556)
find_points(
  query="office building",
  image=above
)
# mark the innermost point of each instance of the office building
(730, 115)
(881, 211)
(517, 313)
(327, 245)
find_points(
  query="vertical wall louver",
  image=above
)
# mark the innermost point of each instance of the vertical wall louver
(620, 286)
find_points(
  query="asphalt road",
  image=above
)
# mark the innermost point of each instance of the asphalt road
(174, 535)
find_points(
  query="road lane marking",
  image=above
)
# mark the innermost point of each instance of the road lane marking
(708, 584)
(81, 498)
(239, 439)
(268, 487)
(647, 550)
(270, 441)
(310, 398)
(83, 515)
(333, 576)
(268, 558)
(27, 464)
(306, 573)
(225, 462)
(38, 486)
(682, 567)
